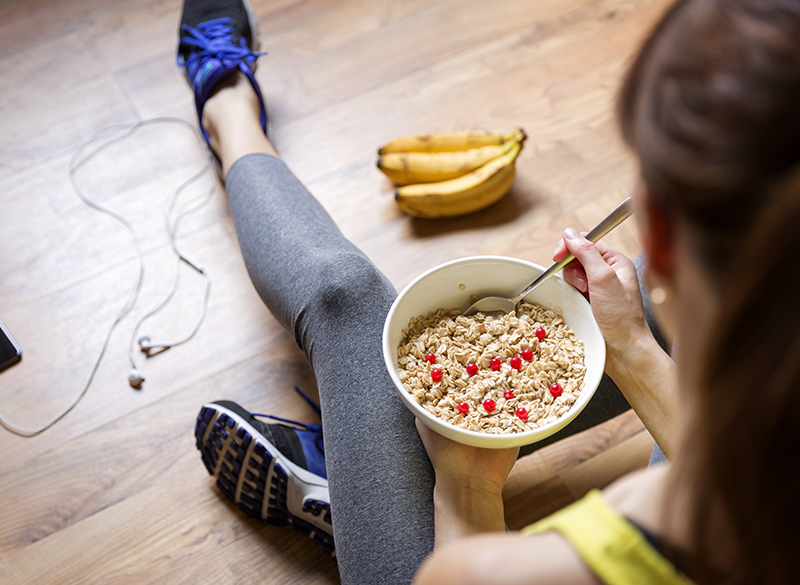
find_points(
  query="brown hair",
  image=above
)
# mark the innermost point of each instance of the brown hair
(711, 106)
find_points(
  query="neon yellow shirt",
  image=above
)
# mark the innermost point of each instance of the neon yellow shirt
(613, 548)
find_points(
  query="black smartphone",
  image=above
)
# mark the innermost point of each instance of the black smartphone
(10, 353)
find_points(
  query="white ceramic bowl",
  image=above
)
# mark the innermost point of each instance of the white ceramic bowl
(441, 287)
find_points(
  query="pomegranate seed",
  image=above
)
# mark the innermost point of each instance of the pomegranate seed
(508, 394)
(495, 364)
(436, 374)
(541, 334)
(472, 369)
(515, 363)
(430, 357)
(527, 354)
(463, 408)
(522, 414)
(489, 405)
(556, 390)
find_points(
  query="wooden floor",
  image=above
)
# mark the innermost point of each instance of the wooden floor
(116, 492)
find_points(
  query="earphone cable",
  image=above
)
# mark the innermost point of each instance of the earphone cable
(75, 163)
(172, 225)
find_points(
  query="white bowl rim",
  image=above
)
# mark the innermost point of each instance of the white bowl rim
(420, 412)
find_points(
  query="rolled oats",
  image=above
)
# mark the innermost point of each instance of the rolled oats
(457, 341)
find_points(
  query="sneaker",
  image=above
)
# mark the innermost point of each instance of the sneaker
(217, 38)
(274, 472)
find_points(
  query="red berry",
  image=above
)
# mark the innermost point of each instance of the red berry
(436, 374)
(489, 405)
(556, 390)
(463, 408)
(430, 357)
(508, 394)
(527, 354)
(495, 364)
(472, 369)
(541, 334)
(522, 414)
(515, 363)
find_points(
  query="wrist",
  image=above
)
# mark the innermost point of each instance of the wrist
(624, 360)
(468, 495)
(464, 509)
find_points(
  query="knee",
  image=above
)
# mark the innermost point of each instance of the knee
(350, 282)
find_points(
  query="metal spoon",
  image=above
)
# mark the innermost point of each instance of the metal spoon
(504, 305)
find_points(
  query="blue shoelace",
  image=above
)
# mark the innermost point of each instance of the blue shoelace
(309, 427)
(215, 40)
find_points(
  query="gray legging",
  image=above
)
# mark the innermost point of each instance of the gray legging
(331, 297)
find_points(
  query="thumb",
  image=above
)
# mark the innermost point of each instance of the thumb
(587, 254)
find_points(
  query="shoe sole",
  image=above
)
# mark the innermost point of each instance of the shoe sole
(245, 464)
(251, 22)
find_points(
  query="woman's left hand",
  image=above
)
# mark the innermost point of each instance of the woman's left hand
(468, 496)
(460, 466)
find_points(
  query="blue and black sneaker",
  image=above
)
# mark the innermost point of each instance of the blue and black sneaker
(274, 472)
(217, 38)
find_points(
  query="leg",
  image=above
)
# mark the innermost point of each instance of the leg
(334, 301)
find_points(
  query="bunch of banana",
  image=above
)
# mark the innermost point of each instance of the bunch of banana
(442, 175)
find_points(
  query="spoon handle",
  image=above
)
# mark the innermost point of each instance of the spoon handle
(614, 218)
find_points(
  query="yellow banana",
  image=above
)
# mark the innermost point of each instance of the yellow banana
(405, 168)
(401, 177)
(466, 194)
(445, 142)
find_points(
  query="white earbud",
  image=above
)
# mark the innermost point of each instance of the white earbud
(135, 378)
(144, 343)
(149, 348)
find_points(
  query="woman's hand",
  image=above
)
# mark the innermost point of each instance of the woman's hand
(640, 368)
(460, 466)
(607, 278)
(468, 497)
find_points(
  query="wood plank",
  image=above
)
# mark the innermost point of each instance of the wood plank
(533, 490)
(4, 580)
(575, 450)
(629, 455)
(143, 540)
(61, 335)
(53, 240)
(553, 97)
(89, 526)
(537, 485)
(59, 97)
(119, 459)
(26, 23)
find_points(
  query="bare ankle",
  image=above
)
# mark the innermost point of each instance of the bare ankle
(233, 104)
(232, 118)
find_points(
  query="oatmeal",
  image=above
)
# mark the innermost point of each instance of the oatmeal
(504, 374)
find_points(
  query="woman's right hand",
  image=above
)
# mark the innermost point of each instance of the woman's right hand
(607, 278)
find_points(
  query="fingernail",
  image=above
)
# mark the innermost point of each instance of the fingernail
(581, 284)
(571, 233)
(555, 250)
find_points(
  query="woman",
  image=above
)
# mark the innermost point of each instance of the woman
(710, 110)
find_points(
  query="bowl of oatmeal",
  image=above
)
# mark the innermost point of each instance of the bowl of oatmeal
(493, 381)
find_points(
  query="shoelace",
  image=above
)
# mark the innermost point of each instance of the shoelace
(216, 40)
(309, 427)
